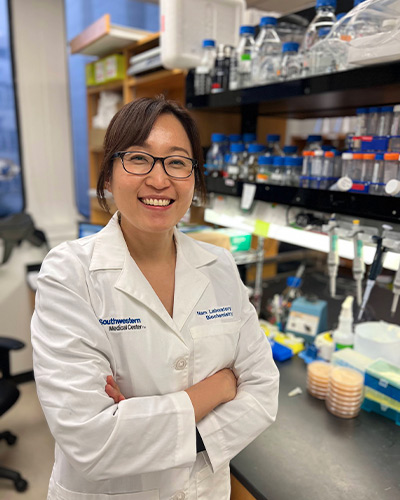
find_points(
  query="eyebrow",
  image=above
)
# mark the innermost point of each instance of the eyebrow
(172, 149)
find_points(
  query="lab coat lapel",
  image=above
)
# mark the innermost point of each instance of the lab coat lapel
(190, 281)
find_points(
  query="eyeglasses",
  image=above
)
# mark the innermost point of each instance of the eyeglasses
(139, 163)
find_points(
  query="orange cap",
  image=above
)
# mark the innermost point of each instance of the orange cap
(357, 156)
(369, 156)
(308, 153)
(329, 154)
(391, 156)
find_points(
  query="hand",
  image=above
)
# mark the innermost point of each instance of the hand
(229, 382)
(113, 390)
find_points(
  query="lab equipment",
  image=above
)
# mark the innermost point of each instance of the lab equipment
(396, 292)
(317, 161)
(250, 172)
(277, 171)
(395, 129)
(324, 18)
(215, 156)
(345, 392)
(373, 120)
(264, 169)
(377, 185)
(307, 317)
(318, 373)
(361, 122)
(203, 72)
(220, 73)
(374, 271)
(358, 260)
(273, 147)
(343, 336)
(333, 253)
(385, 120)
(290, 65)
(244, 52)
(235, 164)
(267, 50)
(351, 359)
(378, 339)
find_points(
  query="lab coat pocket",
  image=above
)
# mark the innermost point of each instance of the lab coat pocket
(214, 347)
(61, 493)
(215, 486)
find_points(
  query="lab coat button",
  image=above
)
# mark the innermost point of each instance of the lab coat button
(180, 364)
(179, 495)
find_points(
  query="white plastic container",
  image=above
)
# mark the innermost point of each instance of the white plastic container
(186, 23)
(378, 339)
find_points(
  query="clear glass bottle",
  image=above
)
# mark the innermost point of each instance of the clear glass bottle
(273, 148)
(324, 18)
(215, 156)
(203, 73)
(377, 185)
(245, 50)
(363, 23)
(318, 60)
(254, 152)
(293, 166)
(278, 171)
(290, 66)
(235, 164)
(264, 169)
(290, 150)
(313, 143)
(267, 51)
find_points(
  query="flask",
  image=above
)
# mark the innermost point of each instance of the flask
(290, 66)
(250, 172)
(267, 51)
(245, 50)
(343, 336)
(235, 163)
(203, 73)
(273, 147)
(215, 156)
(324, 18)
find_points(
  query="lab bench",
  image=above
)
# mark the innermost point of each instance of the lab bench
(309, 454)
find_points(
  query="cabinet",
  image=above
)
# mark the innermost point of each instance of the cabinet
(336, 94)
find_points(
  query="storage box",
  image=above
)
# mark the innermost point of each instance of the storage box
(384, 377)
(105, 70)
(240, 241)
(352, 359)
(383, 410)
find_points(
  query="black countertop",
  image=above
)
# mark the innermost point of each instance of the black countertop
(309, 454)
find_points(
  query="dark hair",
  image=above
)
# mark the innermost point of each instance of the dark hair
(132, 124)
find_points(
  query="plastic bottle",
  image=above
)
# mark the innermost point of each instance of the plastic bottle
(290, 65)
(327, 177)
(362, 176)
(361, 122)
(343, 336)
(273, 147)
(215, 156)
(250, 172)
(324, 18)
(317, 163)
(377, 185)
(235, 165)
(221, 70)
(373, 120)
(267, 51)
(385, 120)
(391, 172)
(264, 169)
(244, 52)
(395, 129)
(203, 73)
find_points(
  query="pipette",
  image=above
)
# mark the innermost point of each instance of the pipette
(358, 261)
(396, 292)
(333, 254)
(374, 271)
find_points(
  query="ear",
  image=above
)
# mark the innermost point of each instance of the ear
(107, 186)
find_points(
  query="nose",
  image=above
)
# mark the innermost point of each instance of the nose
(158, 177)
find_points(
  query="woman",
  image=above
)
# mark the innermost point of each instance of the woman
(161, 315)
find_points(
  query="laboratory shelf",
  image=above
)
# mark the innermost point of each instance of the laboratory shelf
(382, 208)
(335, 94)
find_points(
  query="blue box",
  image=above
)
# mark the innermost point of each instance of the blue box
(369, 405)
(384, 377)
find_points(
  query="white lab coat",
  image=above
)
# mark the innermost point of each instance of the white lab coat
(97, 315)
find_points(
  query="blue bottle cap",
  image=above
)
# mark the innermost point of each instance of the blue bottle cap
(265, 160)
(325, 3)
(340, 16)
(356, 2)
(387, 109)
(373, 109)
(379, 156)
(247, 29)
(314, 138)
(323, 32)
(361, 111)
(217, 137)
(249, 137)
(293, 281)
(290, 161)
(235, 137)
(290, 47)
(278, 161)
(273, 138)
(237, 148)
(256, 148)
(268, 20)
(208, 43)
(290, 149)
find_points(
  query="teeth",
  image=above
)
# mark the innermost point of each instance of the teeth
(156, 202)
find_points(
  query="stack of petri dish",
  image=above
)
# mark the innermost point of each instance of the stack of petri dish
(318, 378)
(345, 392)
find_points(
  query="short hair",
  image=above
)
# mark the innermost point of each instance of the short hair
(132, 124)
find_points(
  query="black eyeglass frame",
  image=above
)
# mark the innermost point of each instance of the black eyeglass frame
(121, 154)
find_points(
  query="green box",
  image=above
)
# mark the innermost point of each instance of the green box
(90, 74)
(240, 240)
(108, 69)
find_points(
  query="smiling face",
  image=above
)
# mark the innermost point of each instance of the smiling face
(154, 203)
